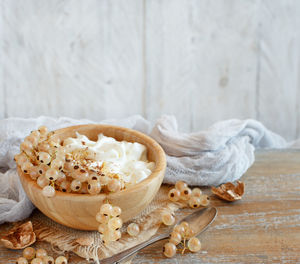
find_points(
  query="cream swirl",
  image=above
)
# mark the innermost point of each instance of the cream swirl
(127, 159)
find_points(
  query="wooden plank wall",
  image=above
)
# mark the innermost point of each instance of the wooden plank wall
(201, 60)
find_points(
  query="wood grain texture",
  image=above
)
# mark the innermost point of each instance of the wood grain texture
(202, 61)
(261, 228)
(70, 58)
(169, 61)
(278, 82)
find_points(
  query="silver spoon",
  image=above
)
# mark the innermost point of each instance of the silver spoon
(199, 221)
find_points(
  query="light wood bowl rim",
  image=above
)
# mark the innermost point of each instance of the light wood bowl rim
(160, 165)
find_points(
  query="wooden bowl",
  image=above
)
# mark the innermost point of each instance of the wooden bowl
(79, 210)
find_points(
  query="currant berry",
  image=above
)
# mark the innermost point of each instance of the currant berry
(48, 260)
(116, 211)
(194, 244)
(204, 200)
(174, 195)
(84, 189)
(168, 219)
(29, 253)
(116, 235)
(43, 147)
(180, 185)
(175, 238)
(42, 169)
(101, 218)
(185, 225)
(94, 187)
(21, 260)
(194, 202)
(51, 174)
(189, 232)
(57, 164)
(133, 229)
(48, 191)
(82, 175)
(179, 229)
(32, 139)
(61, 260)
(185, 194)
(102, 228)
(43, 130)
(44, 157)
(26, 146)
(37, 261)
(61, 177)
(76, 185)
(196, 192)
(106, 209)
(26, 167)
(20, 159)
(169, 250)
(65, 186)
(114, 185)
(42, 181)
(40, 253)
(34, 172)
(115, 223)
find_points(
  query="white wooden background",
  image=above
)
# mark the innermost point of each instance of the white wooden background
(200, 60)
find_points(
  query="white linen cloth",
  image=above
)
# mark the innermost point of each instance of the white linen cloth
(219, 154)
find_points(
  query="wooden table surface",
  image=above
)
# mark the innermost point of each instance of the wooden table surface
(264, 227)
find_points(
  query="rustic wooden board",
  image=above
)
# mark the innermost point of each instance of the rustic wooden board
(278, 77)
(201, 58)
(76, 59)
(202, 61)
(264, 227)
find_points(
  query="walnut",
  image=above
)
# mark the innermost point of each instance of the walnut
(19, 237)
(229, 191)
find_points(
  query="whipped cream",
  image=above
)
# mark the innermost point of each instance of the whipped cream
(127, 159)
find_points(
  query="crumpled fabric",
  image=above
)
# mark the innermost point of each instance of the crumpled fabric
(222, 153)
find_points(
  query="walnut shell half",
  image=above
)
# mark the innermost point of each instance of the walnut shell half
(229, 191)
(19, 237)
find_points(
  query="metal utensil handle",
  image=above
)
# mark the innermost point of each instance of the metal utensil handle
(115, 259)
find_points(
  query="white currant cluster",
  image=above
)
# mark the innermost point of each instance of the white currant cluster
(194, 197)
(182, 237)
(39, 256)
(110, 222)
(55, 167)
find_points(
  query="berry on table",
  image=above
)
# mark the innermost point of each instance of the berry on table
(204, 200)
(180, 185)
(175, 238)
(37, 261)
(194, 202)
(21, 260)
(48, 260)
(174, 195)
(29, 253)
(169, 250)
(61, 260)
(194, 244)
(196, 192)
(40, 253)
(168, 219)
(185, 194)
(133, 229)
